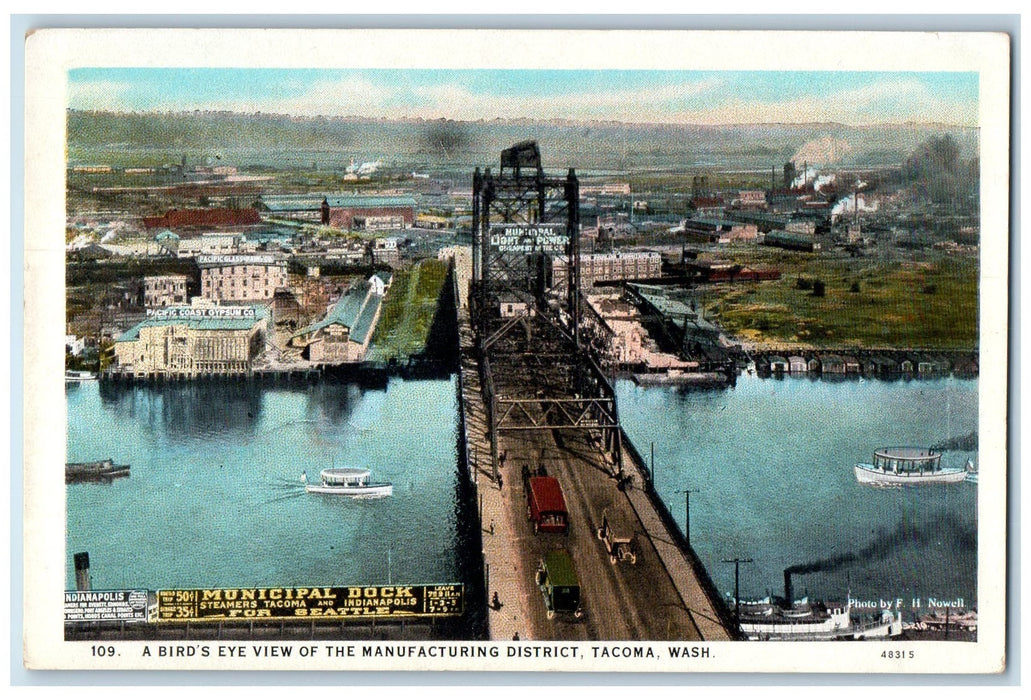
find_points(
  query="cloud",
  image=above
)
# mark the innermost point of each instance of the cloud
(706, 101)
(887, 101)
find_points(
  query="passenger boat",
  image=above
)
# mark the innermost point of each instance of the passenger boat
(347, 482)
(907, 466)
(814, 621)
(787, 619)
(73, 376)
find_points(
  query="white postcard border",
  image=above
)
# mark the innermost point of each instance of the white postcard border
(50, 53)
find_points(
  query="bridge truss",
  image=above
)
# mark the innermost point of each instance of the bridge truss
(536, 373)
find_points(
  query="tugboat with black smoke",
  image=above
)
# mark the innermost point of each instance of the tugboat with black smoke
(787, 619)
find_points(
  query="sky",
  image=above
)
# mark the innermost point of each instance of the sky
(682, 97)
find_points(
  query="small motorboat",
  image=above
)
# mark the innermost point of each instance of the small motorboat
(346, 481)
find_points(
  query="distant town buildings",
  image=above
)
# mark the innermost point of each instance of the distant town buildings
(304, 208)
(805, 227)
(605, 189)
(204, 244)
(433, 222)
(791, 241)
(710, 230)
(750, 199)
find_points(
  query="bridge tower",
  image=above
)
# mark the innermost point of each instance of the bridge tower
(526, 305)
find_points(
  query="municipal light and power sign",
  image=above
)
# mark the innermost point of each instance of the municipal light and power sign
(529, 238)
(333, 603)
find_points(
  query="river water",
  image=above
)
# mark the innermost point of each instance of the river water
(215, 498)
(770, 466)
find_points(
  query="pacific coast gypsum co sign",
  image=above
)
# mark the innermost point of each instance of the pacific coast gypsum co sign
(217, 604)
(529, 238)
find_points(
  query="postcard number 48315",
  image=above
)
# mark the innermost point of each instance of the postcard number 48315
(897, 654)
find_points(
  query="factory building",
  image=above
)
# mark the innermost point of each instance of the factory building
(344, 334)
(368, 212)
(164, 290)
(190, 341)
(349, 212)
(611, 267)
(241, 278)
(709, 230)
(295, 208)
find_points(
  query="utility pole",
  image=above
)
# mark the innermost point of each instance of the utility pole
(687, 512)
(737, 562)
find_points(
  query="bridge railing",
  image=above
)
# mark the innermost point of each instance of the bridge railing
(723, 611)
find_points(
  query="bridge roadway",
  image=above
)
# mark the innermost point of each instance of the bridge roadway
(657, 598)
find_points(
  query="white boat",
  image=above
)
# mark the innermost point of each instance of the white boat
(346, 481)
(907, 466)
(73, 376)
(805, 621)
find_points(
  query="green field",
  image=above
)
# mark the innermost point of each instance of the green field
(867, 302)
(408, 312)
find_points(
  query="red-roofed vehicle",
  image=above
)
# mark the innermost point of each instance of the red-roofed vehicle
(545, 505)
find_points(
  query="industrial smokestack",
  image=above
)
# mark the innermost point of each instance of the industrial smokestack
(788, 593)
(82, 571)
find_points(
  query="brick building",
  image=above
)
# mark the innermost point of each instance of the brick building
(203, 218)
(342, 212)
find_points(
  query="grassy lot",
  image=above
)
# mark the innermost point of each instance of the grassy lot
(408, 311)
(867, 302)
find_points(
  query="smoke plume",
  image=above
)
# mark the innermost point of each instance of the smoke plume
(444, 138)
(887, 541)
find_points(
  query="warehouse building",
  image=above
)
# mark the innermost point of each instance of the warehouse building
(306, 208)
(368, 212)
(611, 267)
(710, 230)
(344, 334)
(188, 341)
(791, 241)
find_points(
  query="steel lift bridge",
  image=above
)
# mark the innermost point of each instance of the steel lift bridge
(536, 373)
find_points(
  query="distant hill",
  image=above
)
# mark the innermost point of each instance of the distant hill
(249, 140)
